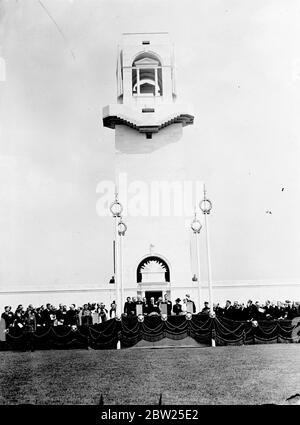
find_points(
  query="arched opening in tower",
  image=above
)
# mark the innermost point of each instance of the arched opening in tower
(147, 75)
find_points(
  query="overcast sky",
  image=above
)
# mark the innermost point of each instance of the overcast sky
(238, 64)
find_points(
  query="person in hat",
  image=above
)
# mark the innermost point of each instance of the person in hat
(177, 309)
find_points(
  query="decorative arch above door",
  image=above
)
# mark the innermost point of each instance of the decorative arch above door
(153, 269)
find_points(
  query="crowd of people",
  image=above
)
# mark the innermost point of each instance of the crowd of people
(49, 315)
(92, 313)
(269, 310)
(135, 306)
(234, 311)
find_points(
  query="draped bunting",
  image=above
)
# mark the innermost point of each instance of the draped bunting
(229, 332)
(131, 330)
(153, 328)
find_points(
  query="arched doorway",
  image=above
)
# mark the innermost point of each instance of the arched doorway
(153, 277)
(153, 269)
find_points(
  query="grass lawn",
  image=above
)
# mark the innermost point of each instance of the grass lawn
(222, 375)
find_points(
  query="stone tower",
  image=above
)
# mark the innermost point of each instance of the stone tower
(149, 150)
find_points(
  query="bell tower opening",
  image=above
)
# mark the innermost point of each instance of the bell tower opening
(146, 100)
(147, 75)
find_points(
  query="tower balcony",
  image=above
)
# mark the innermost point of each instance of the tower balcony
(147, 119)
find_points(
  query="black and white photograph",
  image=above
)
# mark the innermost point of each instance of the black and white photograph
(149, 205)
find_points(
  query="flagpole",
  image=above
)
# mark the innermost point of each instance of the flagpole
(196, 227)
(116, 210)
(121, 274)
(117, 273)
(206, 206)
(198, 265)
(208, 263)
(121, 232)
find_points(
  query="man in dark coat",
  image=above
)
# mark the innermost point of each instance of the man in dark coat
(251, 311)
(145, 306)
(128, 306)
(177, 308)
(219, 310)
(46, 315)
(61, 314)
(71, 316)
(133, 307)
(227, 311)
(291, 310)
(279, 311)
(236, 313)
(261, 312)
(206, 309)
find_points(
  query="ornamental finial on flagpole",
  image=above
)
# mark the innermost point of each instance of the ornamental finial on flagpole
(196, 225)
(205, 205)
(116, 207)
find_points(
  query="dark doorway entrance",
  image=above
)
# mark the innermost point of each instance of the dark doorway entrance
(155, 294)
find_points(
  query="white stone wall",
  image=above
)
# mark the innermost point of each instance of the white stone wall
(169, 234)
(239, 291)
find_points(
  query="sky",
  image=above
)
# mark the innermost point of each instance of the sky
(237, 63)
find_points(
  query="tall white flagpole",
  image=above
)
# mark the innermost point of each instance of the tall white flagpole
(116, 210)
(206, 206)
(117, 275)
(121, 273)
(208, 263)
(196, 227)
(121, 233)
(198, 267)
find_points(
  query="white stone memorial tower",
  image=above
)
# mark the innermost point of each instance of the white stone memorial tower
(148, 123)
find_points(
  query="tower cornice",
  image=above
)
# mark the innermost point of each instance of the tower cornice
(147, 120)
